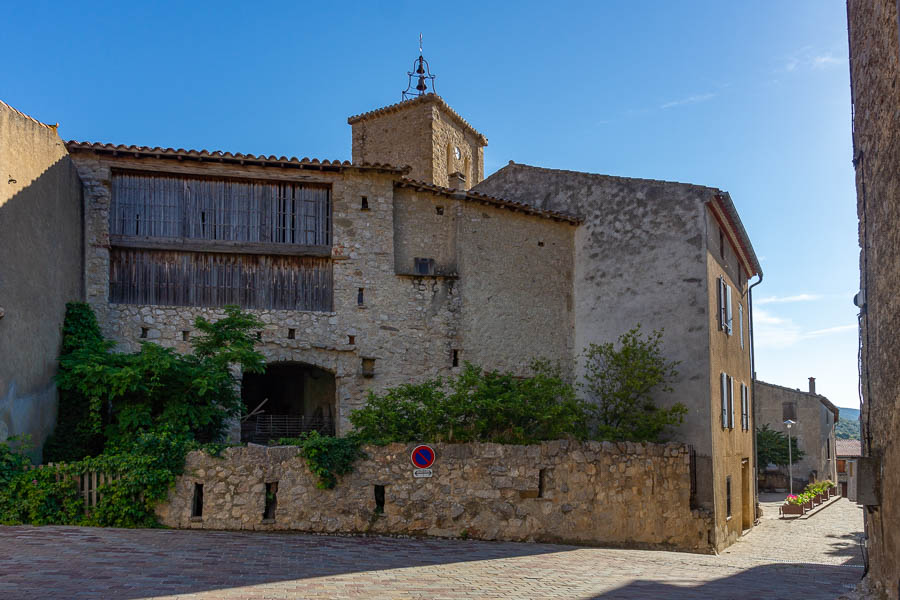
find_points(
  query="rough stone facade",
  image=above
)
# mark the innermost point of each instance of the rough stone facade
(634, 495)
(40, 269)
(475, 303)
(874, 73)
(424, 134)
(652, 252)
(816, 418)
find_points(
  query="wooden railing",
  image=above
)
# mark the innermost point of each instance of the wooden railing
(88, 482)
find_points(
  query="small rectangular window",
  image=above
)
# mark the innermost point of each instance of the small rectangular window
(455, 358)
(271, 501)
(360, 296)
(197, 501)
(364, 203)
(379, 499)
(351, 340)
(368, 367)
(144, 331)
(729, 319)
(439, 210)
(720, 295)
(292, 334)
(728, 496)
(424, 266)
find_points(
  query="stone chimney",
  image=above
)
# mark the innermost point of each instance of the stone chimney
(812, 385)
(456, 181)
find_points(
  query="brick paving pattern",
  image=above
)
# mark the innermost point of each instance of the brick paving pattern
(810, 558)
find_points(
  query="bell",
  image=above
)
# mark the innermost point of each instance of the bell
(421, 87)
(420, 70)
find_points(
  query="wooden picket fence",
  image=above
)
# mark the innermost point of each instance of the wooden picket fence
(88, 482)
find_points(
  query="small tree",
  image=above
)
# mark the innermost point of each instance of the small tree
(621, 383)
(772, 448)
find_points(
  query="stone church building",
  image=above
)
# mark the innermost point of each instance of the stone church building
(398, 266)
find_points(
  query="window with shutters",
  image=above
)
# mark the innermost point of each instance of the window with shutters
(727, 391)
(726, 317)
(745, 407)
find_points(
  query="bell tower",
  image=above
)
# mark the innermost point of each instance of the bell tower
(421, 132)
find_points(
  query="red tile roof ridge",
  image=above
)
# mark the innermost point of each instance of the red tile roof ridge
(423, 99)
(235, 156)
(484, 198)
(29, 117)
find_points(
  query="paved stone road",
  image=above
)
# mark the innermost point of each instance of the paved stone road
(809, 559)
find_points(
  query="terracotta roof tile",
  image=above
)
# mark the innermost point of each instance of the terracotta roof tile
(423, 99)
(485, 199)
(237, 157)
(848, 448)
(29, 117)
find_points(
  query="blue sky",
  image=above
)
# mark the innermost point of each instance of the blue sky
(753, 98)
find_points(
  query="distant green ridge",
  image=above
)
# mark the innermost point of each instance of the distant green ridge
(848, 424)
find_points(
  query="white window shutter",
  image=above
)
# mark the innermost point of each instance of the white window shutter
(728, 313)
(731, 402)
(724, 383)
(720, 305)
(741, 324)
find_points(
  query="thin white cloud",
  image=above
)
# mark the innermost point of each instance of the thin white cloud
(786, 299)
(772, 331)
(807, 58)
(689, 100)
(830, 330)
(823, 61)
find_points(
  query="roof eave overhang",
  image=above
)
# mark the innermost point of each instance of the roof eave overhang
(724, 211)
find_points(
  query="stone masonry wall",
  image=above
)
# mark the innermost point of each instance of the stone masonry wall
(635, 495)
(409, 324)
(874, 73)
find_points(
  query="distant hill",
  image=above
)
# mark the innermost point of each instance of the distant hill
(848, 424)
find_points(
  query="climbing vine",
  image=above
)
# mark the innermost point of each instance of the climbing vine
(327, 457)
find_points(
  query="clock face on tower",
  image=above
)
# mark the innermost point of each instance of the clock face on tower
(457, 153)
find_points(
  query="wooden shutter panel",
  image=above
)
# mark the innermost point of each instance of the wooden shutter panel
(720, 303)
(724, 383)
(728, 314)
(731, 402)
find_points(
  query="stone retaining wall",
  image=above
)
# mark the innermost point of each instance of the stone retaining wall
(634, 495)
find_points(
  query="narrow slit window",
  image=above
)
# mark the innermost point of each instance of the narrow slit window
(455, 358)
(728, 496)
(144, 332)
(271, 501)
(364, 203)
(185, 335)
(379, 499)
(351, 339)
(259, 335)
(360, 296)
(292, 334)
(197, 502)
(542, 482)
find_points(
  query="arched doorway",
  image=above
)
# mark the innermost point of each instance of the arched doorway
(287, 400)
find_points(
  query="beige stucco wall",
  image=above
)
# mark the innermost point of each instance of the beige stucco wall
(633, 495)
(733, 453)
(40, 269)
(409, 324)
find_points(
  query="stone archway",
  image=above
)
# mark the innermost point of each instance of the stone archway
(290, 398)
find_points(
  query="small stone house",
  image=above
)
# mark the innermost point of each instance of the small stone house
(815, 418)
(848, 453)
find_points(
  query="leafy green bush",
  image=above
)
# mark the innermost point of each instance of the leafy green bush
(327, 457)
(143, 469)
(155, 387)
(772, 448)
(485, 406)
(621, 383)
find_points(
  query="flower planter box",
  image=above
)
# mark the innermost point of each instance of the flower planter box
(818, 499)
(808, 505)
(834, 491)
(792, 509)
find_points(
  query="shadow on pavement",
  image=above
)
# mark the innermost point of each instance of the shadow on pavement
(769, 582)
